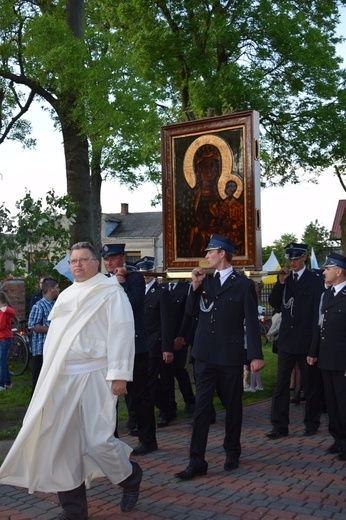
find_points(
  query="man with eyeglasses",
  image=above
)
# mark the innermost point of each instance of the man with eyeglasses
(297, 293)
(328, 350)
(67, 438)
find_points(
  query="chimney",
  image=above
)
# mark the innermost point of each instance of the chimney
(124, 208)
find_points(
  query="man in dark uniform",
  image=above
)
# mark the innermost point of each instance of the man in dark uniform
(225, 301)
(114, 260)
(158, 309)
(177, 369)
(297, 292)
(329, 348)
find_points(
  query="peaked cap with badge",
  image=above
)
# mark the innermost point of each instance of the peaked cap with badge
(334, 259)
(221, 242)
(147, 263)
(112, 250)
(294, 250)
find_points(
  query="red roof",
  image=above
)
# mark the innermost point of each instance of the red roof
(336, 229)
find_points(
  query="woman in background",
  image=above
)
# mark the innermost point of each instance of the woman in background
(7, 314)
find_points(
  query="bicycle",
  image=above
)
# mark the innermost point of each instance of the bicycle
(19, 354)
(265, 324)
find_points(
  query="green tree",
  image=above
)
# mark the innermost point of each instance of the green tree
(318, 237)
(37, 237)
(274, 56)
(106, 114)
(279, 247)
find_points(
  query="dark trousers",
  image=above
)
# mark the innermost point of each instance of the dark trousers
(141, 402)
(74, 502)
(166, 392)
(229, 379)
(166, 383)
(335, 393)
(163, 399)
(312, 384)
(182, 376)
(36, 369)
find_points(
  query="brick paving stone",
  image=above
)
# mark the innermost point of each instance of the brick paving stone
(288, 479)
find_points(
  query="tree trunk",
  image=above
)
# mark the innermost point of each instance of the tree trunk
(96, 208)
(76, 144)
(78, 180)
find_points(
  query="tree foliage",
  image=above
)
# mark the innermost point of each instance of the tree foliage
(315, 236)
(113, 72)
(279, 246)
(318, 237)
(37, 237)
(107, 115)
(276, 57)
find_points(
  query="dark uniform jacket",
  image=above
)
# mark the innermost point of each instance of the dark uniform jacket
(299, 303)
(158, 318)
(329, 343)
(219, 338)
(179, 297)
(134, 286)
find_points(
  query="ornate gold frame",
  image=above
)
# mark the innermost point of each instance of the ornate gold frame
(198, 159)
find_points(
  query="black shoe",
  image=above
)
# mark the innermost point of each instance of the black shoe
(334, 448)
(131, 425)
(342, 455)
(130, 496)
(129, 500)
(189, 408)
(133, 433)
(143, 449)
(231, 463)
(191, 472)
(309, 431)
(295, 401)
(276, 434)
(164, 421)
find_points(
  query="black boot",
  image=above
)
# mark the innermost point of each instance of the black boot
(131, 488)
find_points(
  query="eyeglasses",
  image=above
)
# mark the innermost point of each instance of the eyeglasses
(82, 261)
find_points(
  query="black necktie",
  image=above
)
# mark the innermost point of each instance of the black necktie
(171, 286)
(295, 277)
(332, 292)
(217, 279)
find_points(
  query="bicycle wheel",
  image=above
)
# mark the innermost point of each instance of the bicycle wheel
(18, 356)
(263, 330)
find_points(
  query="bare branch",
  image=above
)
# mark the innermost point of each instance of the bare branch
(14, 119)
(339, 175)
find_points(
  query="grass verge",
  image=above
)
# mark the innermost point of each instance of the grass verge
(14, 402)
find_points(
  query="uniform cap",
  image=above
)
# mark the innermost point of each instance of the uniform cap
(334, 259)
(147, 263)
(112, 249)
(221, 242)
(295, 250)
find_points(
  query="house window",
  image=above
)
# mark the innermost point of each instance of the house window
(133, 257)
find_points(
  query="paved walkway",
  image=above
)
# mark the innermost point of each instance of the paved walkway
(290, 478)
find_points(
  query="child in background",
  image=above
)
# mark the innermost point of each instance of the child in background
(255, 381)
(251, 380)
(7, 314)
